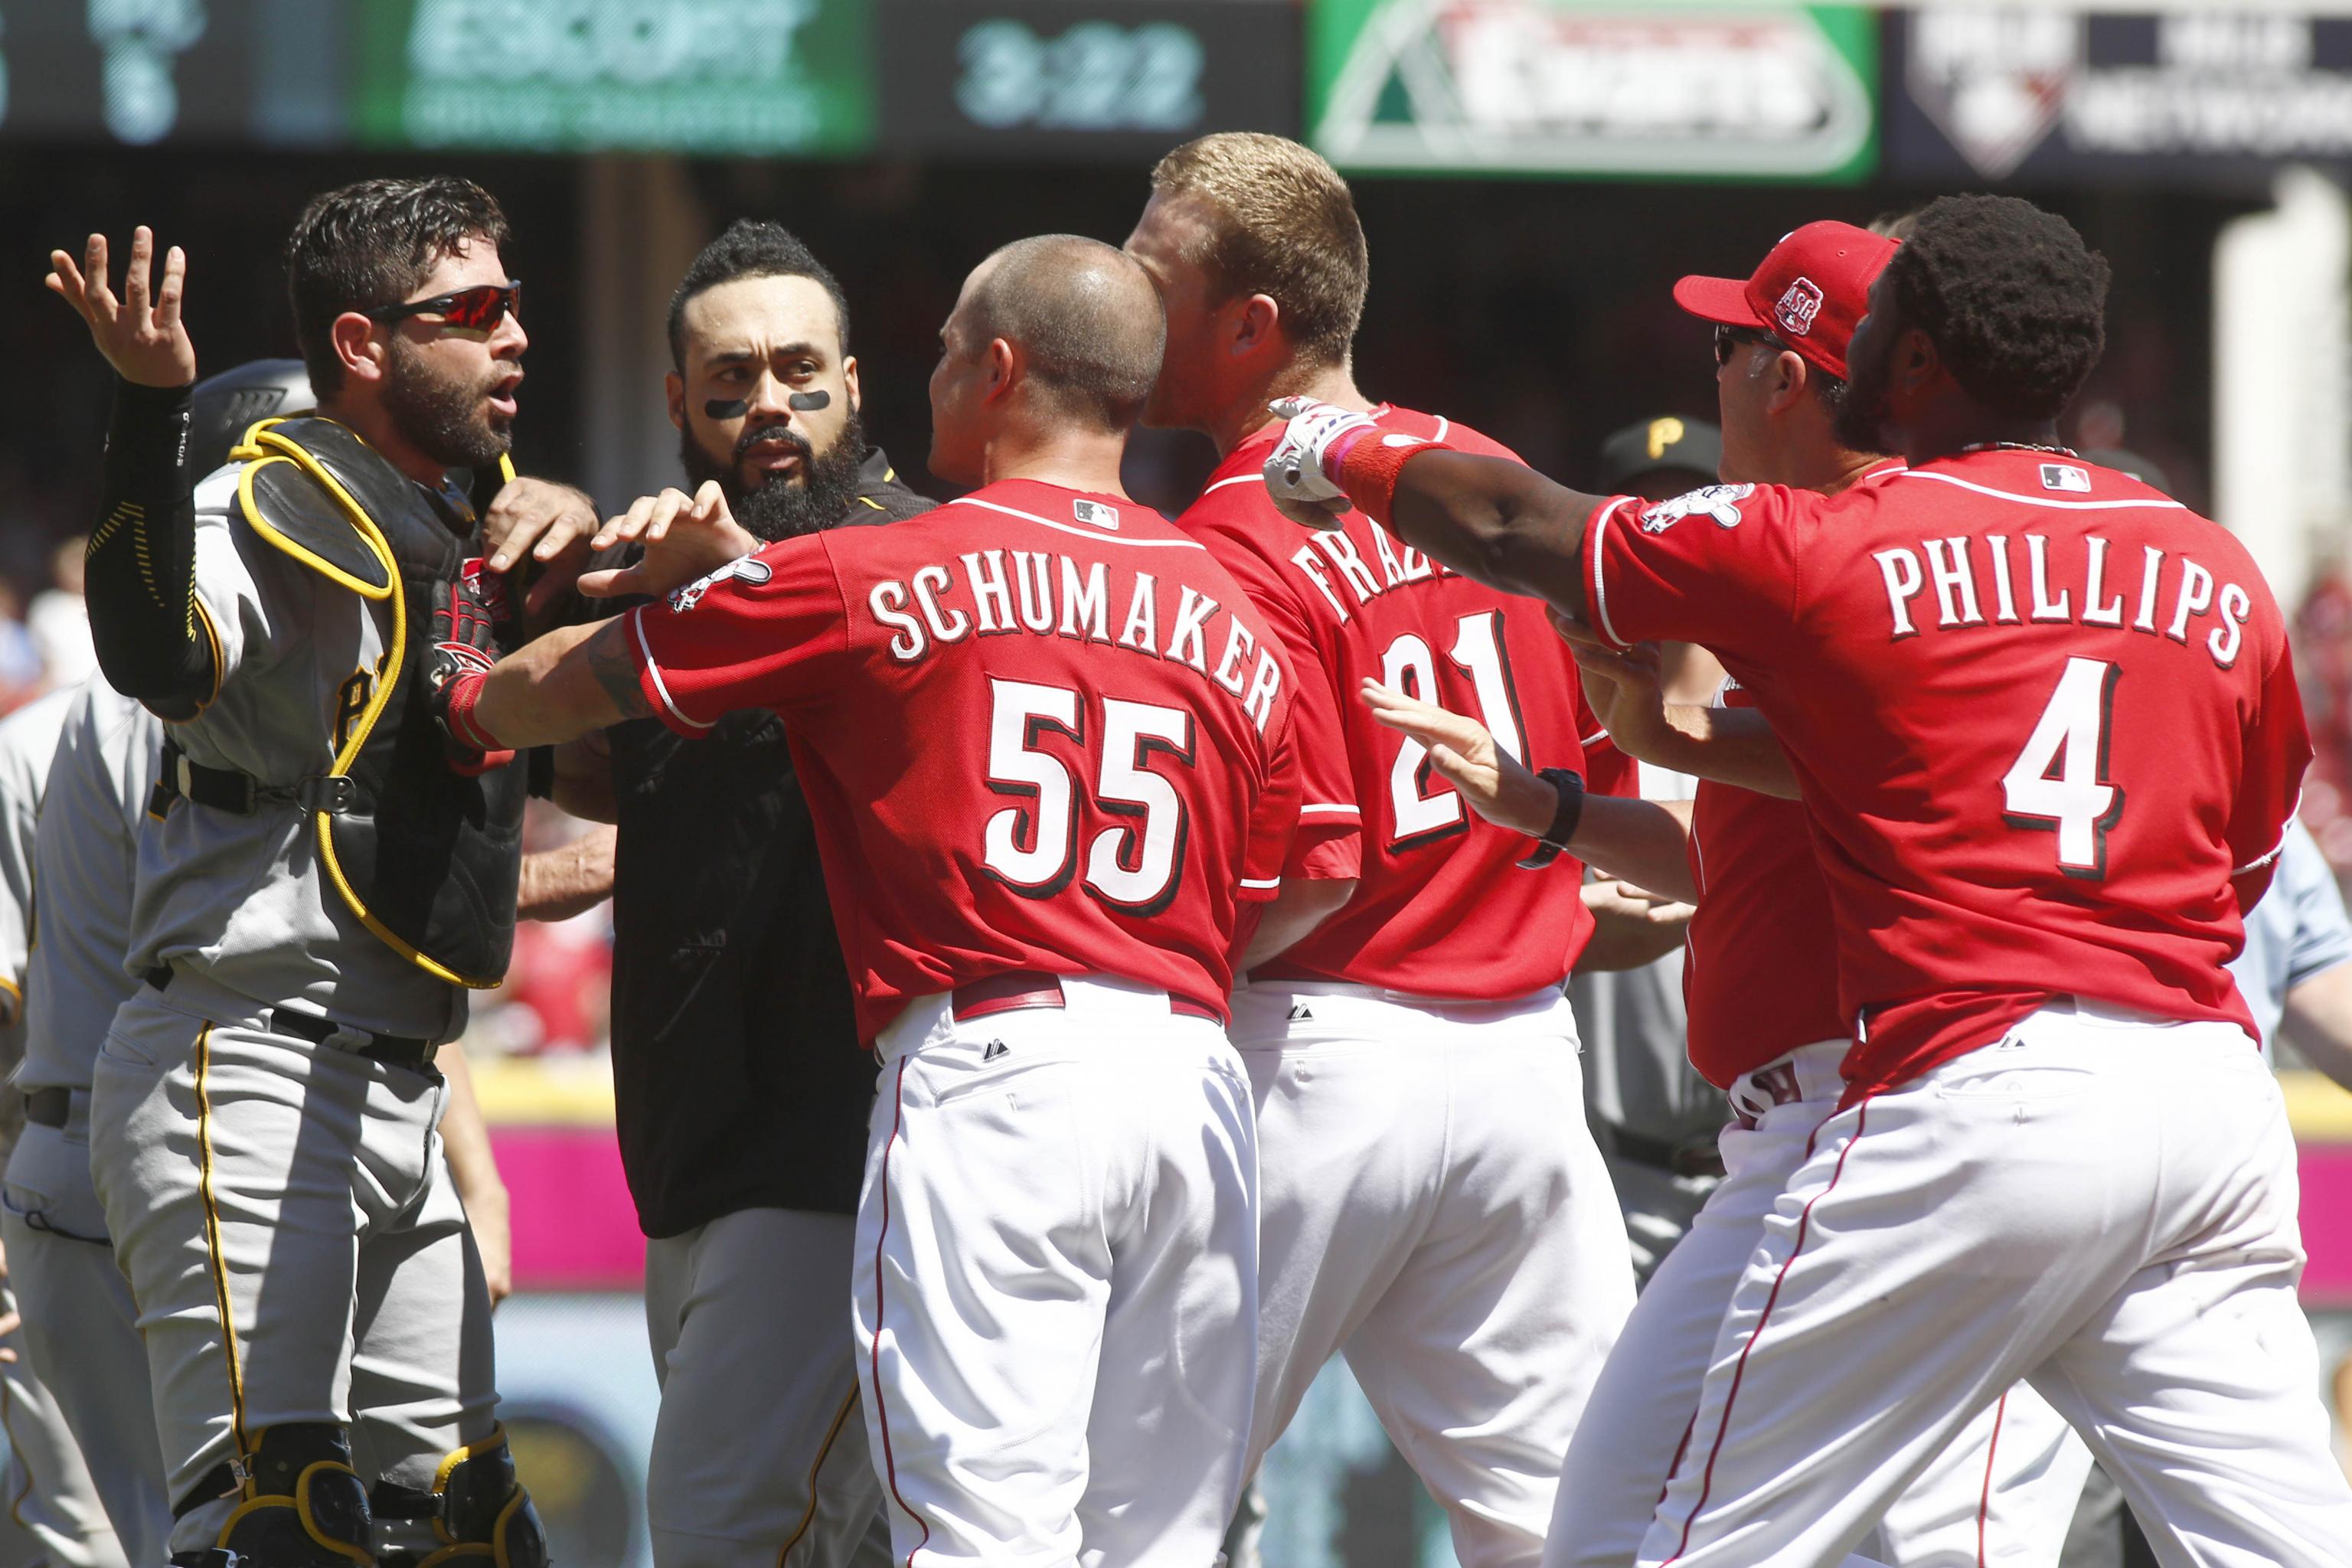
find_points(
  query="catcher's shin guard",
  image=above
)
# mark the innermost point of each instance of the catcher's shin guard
(483, 1510)
(302, 1505)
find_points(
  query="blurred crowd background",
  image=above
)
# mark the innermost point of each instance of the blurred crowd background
(1533, 176)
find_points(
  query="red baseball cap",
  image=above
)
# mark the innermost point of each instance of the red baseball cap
(1810, 291)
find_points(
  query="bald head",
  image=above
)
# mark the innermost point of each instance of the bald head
(1084, 317)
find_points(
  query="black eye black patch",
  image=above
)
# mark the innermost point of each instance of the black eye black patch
(808, 402)
(726, 407)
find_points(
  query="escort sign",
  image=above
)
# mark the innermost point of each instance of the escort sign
(2224, 95)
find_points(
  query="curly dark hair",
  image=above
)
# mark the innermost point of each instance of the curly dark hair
(2012, 298)
(371, 244)
(751, 248)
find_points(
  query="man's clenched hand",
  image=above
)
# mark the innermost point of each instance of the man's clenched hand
(1298, 479)
(146, 343)
(463, 650)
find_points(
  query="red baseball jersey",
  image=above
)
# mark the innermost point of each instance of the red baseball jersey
(1038, 730)
(2040, 714)
(1440, 909)
(1759, 971)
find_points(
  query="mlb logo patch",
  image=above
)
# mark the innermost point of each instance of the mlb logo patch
(1094, 513)
(1798, 307)
(2066, 477)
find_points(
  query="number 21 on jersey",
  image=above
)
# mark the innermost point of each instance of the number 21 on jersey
(1417, 813)
(2059, 782)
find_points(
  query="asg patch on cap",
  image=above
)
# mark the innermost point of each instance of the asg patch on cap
(1798, 307)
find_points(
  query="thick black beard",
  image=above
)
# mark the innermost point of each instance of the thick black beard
(782, 510)
(440, 416)
(1861, 422)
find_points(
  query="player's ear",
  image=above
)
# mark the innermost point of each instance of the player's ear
(849, 380)
(1004, 368)
(357, 346)
(1255, 321)
(1916, 361)
(674, 394)
(1787, 374)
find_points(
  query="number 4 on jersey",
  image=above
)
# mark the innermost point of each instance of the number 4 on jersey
(2059, 782)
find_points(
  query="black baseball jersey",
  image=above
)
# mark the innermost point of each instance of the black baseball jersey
(738, 1078)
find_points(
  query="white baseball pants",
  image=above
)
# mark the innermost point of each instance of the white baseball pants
(758, 1456)
(2101, 1203)
(292, 1195)
(2008, 1496)
(1055, 1297)
(1433, 1206)
(82, 1331)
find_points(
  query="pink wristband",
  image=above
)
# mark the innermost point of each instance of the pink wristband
(466, 691)
(1366, 471)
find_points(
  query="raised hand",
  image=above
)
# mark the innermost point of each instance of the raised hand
(684, 537)
(144, 341)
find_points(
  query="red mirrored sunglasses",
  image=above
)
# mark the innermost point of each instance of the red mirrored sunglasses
(476, 310)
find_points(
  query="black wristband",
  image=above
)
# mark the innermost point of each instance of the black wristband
(147, 439)
(1569, 789)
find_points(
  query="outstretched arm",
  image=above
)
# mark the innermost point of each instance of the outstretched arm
(556, 689)
(144, 621)
(1489, 519)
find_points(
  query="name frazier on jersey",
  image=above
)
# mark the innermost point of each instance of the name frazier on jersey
(1050, 594)
(2172, 591)
(1400, 564)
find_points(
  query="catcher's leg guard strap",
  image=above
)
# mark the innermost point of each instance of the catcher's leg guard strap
(304, 1506)
(485, 1512)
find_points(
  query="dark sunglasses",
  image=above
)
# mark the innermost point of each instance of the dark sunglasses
(1727, 338)
(476, 310)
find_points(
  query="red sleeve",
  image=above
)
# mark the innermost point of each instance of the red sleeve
(757, 633)
(1328, 844)
(1716, 567)
(1276, 820)
(2269, 779)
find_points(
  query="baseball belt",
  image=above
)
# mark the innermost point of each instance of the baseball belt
(406, 1051)
(1034, 988)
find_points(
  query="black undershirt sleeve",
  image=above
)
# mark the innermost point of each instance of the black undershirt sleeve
(141, 573)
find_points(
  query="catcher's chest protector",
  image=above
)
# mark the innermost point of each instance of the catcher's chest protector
(427, 859)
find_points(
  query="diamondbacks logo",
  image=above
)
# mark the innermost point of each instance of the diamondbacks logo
(1720, 502)
(746, 568)
(1798, 307)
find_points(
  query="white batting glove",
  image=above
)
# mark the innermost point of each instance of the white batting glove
(1295, 477)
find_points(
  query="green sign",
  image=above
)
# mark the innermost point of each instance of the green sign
(1641, 88)
(720, 76)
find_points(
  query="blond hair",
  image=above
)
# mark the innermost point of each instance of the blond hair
(1284, 225)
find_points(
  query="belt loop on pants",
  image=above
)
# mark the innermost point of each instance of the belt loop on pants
(1023, 988)
(48, 1107)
